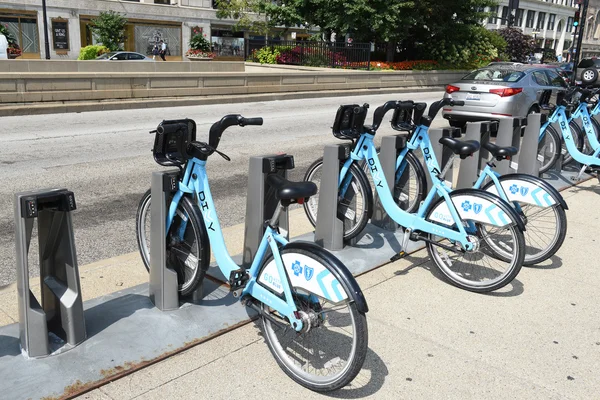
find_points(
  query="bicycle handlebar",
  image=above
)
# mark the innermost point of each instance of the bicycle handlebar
(434, 108)
(390, 105)
(217, 129)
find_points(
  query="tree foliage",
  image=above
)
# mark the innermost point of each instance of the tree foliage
(518, 45)
(415, 25)
(109, 29)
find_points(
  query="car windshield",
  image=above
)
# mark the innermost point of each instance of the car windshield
(106, 55)
(495, 75)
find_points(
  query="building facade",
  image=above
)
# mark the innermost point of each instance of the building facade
(550, 22)
(149, 21)
(590, 46)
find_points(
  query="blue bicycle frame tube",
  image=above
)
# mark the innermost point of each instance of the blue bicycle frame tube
(196, 181)
(412, 221)
(559, 115)
(583, 113)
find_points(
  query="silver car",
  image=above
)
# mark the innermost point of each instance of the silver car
(497, 92)
(123, 56)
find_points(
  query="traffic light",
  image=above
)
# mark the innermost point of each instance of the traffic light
(576, 19)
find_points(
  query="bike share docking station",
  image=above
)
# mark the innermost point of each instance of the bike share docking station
(56, 323)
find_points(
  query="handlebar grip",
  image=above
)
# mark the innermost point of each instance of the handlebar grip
(405, 105)
(169, 128)
(459, 103)
(251, 121)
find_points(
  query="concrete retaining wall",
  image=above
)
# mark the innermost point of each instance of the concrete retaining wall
(57, 66)
(85, 86)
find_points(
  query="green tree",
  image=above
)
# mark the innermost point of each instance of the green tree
(519, 45)
(109, 29)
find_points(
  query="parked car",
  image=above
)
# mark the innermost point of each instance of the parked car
(494, 93)
(123, 56)
(587, 71)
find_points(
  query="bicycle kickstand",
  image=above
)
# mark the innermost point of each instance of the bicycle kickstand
(405, 239)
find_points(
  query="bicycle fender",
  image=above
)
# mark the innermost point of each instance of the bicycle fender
(528, 189)
(476, 205)
(326, 283)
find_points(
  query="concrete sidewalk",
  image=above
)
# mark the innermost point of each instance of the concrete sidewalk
(537, 338)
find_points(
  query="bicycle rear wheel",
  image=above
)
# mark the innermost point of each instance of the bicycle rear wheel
(354, 208)
(498, 251)
(549, 149)
(330, 350)
(187, 252)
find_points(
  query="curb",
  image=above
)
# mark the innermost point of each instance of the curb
(112, 105)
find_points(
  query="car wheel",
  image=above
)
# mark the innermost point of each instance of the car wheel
(533, 110)
(589, 76)
(457, 124)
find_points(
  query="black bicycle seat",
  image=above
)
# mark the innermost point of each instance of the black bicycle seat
(500, 153)
(288, 190)
(463, 148)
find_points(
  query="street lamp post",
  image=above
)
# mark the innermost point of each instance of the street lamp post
(46, 41)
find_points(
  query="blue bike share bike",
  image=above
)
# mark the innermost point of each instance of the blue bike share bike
(540, 206)
(578, 143)
(312, 309)
(474, 237)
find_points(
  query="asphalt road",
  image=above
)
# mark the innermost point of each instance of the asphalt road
(105, 159)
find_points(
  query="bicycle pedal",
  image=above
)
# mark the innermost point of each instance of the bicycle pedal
(237, 280)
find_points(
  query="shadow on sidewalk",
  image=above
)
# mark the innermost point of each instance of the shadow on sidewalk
(105, 314)
(9, 346)
(553, 262)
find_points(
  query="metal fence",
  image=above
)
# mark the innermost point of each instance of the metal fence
(315, 54)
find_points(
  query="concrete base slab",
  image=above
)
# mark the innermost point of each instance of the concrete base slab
(125, 332)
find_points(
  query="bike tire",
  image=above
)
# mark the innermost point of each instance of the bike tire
(538, 250)
(465, 278)
(353, 226)
(548, 149)
(578, 135)
(409, 199)
(586, 146)
(286, 352)
(194, 243)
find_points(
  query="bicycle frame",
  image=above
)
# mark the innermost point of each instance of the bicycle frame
(195, 182)
(583, 113)
(560, 116)
(365, 149)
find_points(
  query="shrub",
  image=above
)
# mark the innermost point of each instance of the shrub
(9, 36)
(265, 55)
(92, 52)
(519, 45)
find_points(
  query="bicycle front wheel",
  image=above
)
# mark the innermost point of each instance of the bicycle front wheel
(355, 207)
(549, 149)
(498, 252)
(187, 253)
(410, 184)
(577, 134)
(330, 350)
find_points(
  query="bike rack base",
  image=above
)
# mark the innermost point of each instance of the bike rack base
(163, 281)
(329, 232)
(56, 323)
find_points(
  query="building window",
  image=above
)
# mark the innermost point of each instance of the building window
(25, 31)
(504, 15)
(493, 19)
(519, 17)
(559, 27)
(168, 2)
(551, 19)
(541, 20)
(530, 18)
